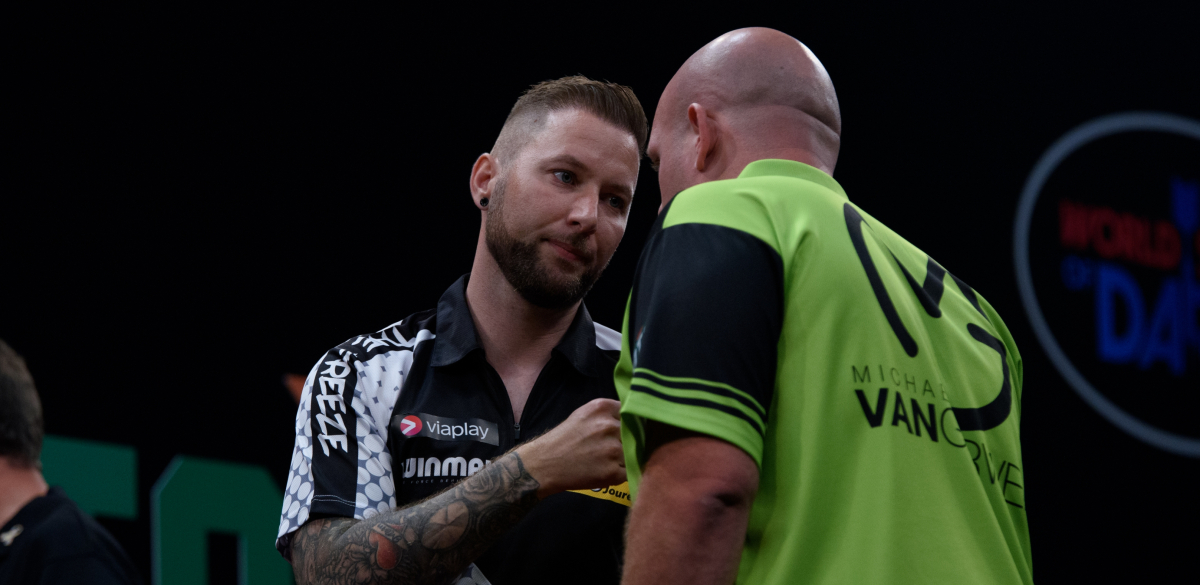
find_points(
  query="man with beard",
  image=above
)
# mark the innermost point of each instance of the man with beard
(409, 465)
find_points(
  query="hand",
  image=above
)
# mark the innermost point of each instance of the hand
(583, 452)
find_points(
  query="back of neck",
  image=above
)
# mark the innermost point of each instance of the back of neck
(19, 485)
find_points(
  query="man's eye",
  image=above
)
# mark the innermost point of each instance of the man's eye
(616, 202)
(565, 176)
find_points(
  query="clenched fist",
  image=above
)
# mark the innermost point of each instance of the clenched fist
(583, 452)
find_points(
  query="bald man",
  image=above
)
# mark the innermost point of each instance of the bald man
(806, 397)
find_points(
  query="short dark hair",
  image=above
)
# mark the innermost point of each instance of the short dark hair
(20, 410)
(611, 102)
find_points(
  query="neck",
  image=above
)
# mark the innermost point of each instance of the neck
(805, 156)
(734, 166)
(19, 484)
(511, 330)
(782, 133)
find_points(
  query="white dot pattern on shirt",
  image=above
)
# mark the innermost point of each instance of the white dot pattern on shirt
(379, 381)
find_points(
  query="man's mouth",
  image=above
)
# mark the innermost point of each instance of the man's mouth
(569, 252)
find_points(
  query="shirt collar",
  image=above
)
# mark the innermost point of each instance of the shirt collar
(578, 346)
(455, 330)
(30, 515)
(791, 168)
(457, 337)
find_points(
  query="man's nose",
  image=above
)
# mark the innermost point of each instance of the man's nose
(585, 210)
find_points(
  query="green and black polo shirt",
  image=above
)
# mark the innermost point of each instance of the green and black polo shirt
(879, 394)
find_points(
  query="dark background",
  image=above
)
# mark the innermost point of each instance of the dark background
(1139, 168)
(197, 202)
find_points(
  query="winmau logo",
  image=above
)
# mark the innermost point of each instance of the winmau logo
(447, 429)
(429, 467)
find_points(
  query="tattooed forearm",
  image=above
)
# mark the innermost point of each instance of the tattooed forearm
(428, 542)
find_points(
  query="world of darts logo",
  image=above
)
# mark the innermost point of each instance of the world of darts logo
(1107, 249)
(1137, 324)
(410, 425)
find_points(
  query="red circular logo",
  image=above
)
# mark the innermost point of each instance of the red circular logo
(410, 425)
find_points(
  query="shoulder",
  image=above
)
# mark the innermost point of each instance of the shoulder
(404, 335)
(62, 525)
(774, 209)
(770, 195)
(374, 364)
(68, 534)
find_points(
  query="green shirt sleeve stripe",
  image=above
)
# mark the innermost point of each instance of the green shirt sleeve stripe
(704, 386)
(710, 419)
(663, 394)
(688, 393)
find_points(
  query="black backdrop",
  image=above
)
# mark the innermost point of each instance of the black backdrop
(197, 202)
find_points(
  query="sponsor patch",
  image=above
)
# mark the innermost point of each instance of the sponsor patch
(447, 429)
(612, 493)
(410, 425)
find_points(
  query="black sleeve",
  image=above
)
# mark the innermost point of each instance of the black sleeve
(705, 315)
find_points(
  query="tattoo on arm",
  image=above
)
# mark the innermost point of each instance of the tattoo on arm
(429, 542)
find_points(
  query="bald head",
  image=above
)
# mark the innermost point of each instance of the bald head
(760, 67)
(762, 93)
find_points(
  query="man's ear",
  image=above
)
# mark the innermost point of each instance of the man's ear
(483, 175)
(706, 134)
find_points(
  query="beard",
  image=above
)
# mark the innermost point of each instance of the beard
(526, 271)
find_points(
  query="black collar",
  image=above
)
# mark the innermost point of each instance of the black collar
(29, 516)
(457, 337)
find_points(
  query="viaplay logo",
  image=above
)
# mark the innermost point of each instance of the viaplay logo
(1107, 240)
(410, 425)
